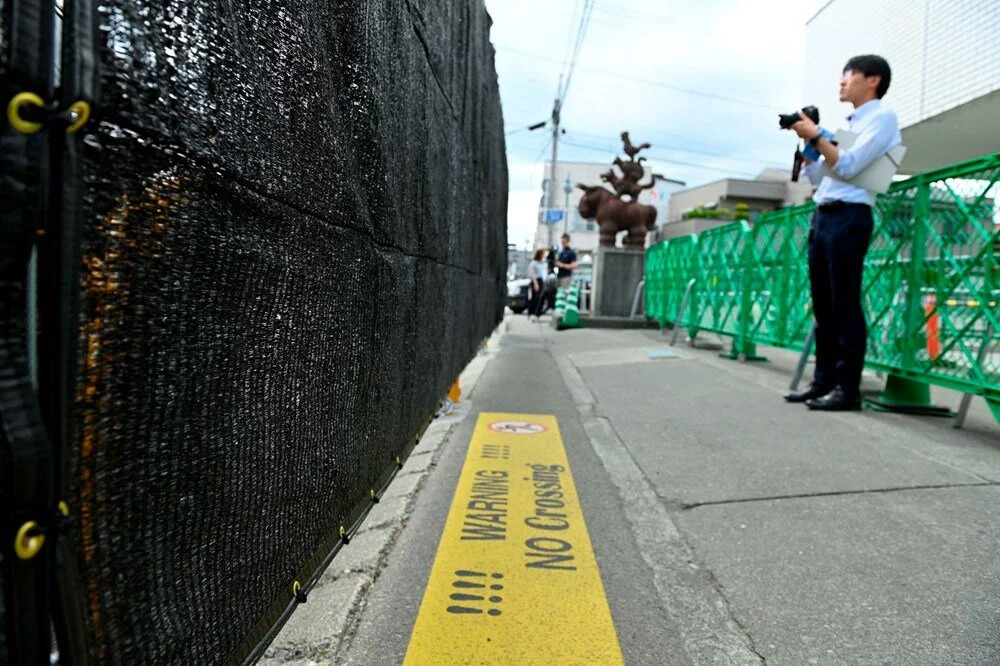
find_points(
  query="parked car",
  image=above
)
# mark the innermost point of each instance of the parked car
(517, 294)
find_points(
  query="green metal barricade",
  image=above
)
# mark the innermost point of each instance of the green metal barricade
(682, 263)
(932, 284)
(931, 289)
(781, 314)
(656, 283)
(720, 296)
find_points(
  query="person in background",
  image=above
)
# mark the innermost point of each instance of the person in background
(566, 262)
(537, 271)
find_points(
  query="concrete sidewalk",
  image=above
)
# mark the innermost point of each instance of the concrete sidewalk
(834, 538)
(729, 526)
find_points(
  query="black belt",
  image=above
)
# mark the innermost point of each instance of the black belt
(837, 205)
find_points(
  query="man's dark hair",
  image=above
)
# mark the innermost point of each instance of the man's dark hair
(566, 236)
(872, 65)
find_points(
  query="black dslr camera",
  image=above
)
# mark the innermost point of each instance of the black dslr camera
(786, 120)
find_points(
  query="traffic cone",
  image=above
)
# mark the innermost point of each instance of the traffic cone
(560, 302)
(571, 317)
(933, 327)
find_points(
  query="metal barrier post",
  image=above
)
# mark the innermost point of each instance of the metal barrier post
(784, 286)
(803, 360)
(743, 343)
(635, 299)
(680, 313)
(963, 406)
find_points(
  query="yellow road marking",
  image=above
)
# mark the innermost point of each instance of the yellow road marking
(515, 580)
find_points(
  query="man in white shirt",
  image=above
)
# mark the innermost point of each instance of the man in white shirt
(840, 233)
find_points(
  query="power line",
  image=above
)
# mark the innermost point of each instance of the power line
(693, 151)
(541, 152)
(569, 38)
(666, 160)
(581, 33)
(658, 84)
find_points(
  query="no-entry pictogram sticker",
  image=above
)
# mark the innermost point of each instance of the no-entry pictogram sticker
(517, 427)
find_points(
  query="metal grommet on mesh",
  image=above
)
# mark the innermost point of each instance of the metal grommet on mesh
(78, 114)
(16, 108)
(298, 593)
(29, 540)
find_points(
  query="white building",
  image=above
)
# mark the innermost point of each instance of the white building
(584, 233)
(945, 60)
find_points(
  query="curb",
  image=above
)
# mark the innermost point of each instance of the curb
(321, 630)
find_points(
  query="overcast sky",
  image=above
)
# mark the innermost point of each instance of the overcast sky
(701, 80)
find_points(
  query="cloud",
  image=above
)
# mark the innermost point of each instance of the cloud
(751, 51)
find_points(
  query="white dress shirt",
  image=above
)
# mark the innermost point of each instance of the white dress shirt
(878, 132)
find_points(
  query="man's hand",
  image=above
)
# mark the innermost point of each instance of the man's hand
(805, 128)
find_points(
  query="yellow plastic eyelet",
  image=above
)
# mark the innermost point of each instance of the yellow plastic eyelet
(371, 493)
(14, 112)
(29, 540)
(342, 531)
(64, 508)
(295, 589)
(82, 111)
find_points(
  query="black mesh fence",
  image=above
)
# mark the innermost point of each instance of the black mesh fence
(288, 226)
(25, 453)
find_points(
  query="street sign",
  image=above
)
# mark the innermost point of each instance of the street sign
(554, 215)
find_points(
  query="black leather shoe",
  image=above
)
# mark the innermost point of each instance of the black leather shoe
(835, 401)
(814, 391)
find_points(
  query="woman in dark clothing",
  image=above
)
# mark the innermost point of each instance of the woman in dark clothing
(536, 271)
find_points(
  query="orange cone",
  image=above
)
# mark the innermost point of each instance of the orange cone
(933, 327)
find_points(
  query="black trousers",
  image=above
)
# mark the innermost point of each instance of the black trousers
(838, 242)
(536, 298)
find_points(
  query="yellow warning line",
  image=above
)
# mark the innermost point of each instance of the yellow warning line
(515, 580)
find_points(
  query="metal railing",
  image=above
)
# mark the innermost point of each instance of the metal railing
(931, 289)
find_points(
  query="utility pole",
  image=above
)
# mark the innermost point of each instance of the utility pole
(567, 189)
(556, 106)
(551, 191)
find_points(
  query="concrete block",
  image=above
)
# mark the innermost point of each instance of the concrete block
(417, 464)
(360, 555)
(386, 512)
(433, 437)
(315, 628)
(402, 486)
(617, 272)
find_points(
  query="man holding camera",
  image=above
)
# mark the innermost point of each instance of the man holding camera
(840, 233)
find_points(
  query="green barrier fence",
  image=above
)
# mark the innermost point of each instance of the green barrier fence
(931, 287)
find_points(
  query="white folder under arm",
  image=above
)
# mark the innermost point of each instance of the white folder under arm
(877, 176)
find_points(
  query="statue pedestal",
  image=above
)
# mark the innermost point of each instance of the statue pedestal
(617, 273)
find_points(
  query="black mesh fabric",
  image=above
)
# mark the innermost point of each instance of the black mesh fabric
(25, 451)
(293, 239)
(5, 521)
